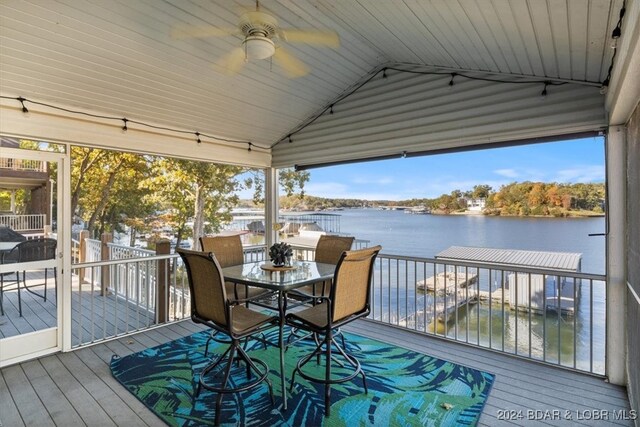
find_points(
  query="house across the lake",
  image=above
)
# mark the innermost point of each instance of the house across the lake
(476, 205)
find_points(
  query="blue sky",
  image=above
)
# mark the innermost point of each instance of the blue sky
(580, 160)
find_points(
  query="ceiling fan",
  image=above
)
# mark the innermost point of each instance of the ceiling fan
(262, 39)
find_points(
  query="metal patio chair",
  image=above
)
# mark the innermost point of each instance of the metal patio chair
(210, 306)
(348, 300)
(38, 249)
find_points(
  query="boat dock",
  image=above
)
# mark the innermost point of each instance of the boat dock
(519, 289)
(447, 282)
(526, 291)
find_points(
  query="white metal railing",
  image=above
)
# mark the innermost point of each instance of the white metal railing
(120, 296)
(307, 253)
(99, 313)
(75, 251)
(254, 253)
(125, 252)
(23, 164)
(131, 281)
(24, 222)
(93, 253)
(551, 316)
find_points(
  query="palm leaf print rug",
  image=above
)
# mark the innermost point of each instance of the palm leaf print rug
(406, 388)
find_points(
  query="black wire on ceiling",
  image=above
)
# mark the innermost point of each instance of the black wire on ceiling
(615, 35)
(604, 85)
(454, 75)
(125, 121)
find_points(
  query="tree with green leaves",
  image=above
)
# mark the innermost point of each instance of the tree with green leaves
(104, 187)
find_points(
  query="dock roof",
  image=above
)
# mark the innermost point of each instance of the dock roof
(537, 259)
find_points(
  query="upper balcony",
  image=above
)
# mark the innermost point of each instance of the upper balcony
(21, 173)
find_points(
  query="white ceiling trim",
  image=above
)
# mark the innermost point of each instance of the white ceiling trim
(50, 125)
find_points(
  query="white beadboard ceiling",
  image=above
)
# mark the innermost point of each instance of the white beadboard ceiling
(117, 56)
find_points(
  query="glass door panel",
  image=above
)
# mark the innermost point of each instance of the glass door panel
(30, 253)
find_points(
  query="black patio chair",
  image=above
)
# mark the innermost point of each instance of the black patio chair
(38, 249)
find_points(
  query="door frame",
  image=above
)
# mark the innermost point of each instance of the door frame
(27, 346)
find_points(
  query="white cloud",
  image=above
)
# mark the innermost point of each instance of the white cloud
(509, 173)
(373, 181)
(588, 173)
(327, 189)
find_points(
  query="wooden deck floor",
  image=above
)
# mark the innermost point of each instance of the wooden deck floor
(93, 316)
(77, 388)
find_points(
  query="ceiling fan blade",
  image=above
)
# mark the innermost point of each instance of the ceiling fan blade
(291, 65)
(185, 31)
(317, 37)
(232, 62)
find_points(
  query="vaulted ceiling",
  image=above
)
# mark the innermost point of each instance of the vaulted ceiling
(118, 56)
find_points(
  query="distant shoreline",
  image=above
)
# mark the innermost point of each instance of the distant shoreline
(578, 214)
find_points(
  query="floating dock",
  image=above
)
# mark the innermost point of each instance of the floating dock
(447, 282)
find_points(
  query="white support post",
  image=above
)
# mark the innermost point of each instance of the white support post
(272, 205)
(616, 256)
(13, 202)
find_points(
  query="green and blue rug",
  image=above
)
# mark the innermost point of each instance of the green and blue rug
(406, 388)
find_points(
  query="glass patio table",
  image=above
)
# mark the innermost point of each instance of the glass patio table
(282, 281)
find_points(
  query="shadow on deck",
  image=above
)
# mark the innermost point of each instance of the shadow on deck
(93, 316)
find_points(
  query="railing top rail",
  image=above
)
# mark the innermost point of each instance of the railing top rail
(125, 261)
(513, 268)
(130, 248)
(253, 247)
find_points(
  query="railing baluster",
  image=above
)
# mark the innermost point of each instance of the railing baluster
(544, 318)
(591, 327)
(147, 294)
(530, 286)
(477, 301)
(93, 334)
(455, 302)
(424, 278)
(559, 316)
(406, 292)
(434, 320)
(516, 303)
(137, 293)
(389, 287)
(504, 320)
(490, 305)
(575, 321)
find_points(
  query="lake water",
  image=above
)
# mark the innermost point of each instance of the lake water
(426, 235)
(566, 340)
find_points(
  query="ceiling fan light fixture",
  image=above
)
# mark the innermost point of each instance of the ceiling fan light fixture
(258, 47)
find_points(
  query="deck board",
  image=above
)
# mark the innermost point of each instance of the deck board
(56, 404)
(32, 411)
(93, 316)
(97, 359)
(520, 385)
(95, 388)
(9, 414)
(87, 407)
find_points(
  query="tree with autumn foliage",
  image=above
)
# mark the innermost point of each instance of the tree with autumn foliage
(110, 190)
